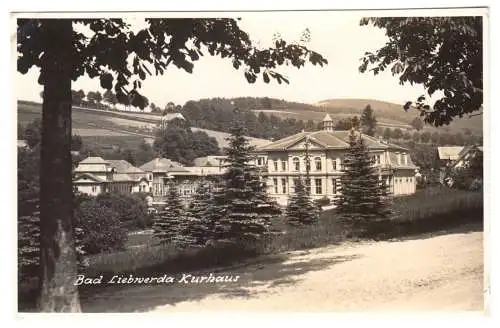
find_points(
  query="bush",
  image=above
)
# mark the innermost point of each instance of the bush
(428, 210)
(131, 209)
(101, 228)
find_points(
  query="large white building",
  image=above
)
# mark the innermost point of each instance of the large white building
(285, 161)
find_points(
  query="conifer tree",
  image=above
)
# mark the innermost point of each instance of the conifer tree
(246, 206)
(170, 225)
(364, 198)
(200, 214)
(300, 209)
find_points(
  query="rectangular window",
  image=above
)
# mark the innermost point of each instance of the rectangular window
(334, 186)
(378, 159)
(295, 182)
(283, 166)
(259, 161)
(283, 186)
(275, 183)
(334, 164)
(275, 165)
(319, 189)
(317, 163)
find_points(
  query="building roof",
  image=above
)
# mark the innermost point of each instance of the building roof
(450, 153)
(464, 153)
(160, 165)
(94, 160)
(200, 171)
(327, 140)
(393, 161)
(122, 166)
(171, 116)
(209, 161)
(88, 175)
(327, 118)
(121, 177)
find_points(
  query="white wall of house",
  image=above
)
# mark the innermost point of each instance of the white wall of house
(89, 189)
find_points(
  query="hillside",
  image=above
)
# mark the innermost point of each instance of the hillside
(392, 113)
(388, 114)
(101, 127)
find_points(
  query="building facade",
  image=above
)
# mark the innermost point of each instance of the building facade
(285, 160)
(95, 175)
(185, 178)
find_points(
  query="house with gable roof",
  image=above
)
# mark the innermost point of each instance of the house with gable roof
(94, 175)
(452, 157)
(284, 161)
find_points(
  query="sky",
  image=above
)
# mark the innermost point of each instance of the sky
(336, 35)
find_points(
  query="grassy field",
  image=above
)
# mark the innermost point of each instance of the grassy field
(109, 128)
(124, 141)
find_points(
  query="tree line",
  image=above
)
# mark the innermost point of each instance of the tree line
(435, 138)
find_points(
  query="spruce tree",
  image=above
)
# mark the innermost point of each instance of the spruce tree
(246, 206)
(364, 198)
(200, 213)
(170, 226)
(300, 210)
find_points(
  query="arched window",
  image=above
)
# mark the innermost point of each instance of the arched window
(317, 163)
(296, 164)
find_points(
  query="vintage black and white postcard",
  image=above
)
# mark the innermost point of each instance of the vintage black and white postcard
(260, 160)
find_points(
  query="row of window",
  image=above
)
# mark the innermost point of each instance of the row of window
(336, 164)
(318, 186)
(401, 180)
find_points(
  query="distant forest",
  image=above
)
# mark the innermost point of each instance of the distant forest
(218, 113)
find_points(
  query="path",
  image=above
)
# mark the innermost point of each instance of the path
(436, 273)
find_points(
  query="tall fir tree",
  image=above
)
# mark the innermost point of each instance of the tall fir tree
(200, 215)
(300, 209)
(364, 197)
(170, 226)
(246, 206)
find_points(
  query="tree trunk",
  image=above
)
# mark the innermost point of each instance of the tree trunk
(57, 252)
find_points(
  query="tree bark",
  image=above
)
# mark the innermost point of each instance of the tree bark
(57, 251)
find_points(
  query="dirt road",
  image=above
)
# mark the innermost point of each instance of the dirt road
(437, 273)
